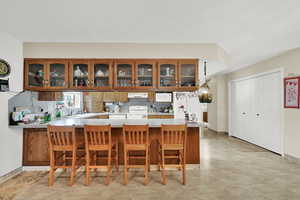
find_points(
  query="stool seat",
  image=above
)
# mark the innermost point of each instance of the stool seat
(136, 147)
(173, 147)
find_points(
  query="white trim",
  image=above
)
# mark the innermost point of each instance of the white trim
(282, 124)
(10, 175)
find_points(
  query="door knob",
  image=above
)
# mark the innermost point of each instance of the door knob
(257, 114)
(244, 113)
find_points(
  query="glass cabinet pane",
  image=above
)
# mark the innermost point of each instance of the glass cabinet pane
(57, 75)
(187, 75)
(101, 75)
(124, 75)
(80, 75)
(36, 74)
(167, 75)
(144, 75)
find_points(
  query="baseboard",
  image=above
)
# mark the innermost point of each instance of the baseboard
(10, 175)
(220, 132)
(152, 168)
(292, 159)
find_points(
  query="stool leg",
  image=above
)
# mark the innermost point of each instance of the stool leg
(107, 180)
(164, 178)
(73, 172)
(95, 160)
(51, 172)
(117, 157)
(146, 167)
(183, 169)
(87, 169)
(125, 167)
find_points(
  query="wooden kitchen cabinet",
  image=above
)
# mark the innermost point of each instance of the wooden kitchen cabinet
(57, 74)
(46, 74)
(111, 74)
(35, 74)
(50, 96)
(168, 74)
(124, 74)
(102, 74)
(80, 74)
(188, 74)
(145, 74)
(35, 147)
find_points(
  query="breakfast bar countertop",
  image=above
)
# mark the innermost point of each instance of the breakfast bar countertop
(115, 123)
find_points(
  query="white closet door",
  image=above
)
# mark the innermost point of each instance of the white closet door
(241, 109)
(271, 112)
(256, 111)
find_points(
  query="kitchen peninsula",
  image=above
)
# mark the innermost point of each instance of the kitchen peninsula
(35, 151)
(78, 92)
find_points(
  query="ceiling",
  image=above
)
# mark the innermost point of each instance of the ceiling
(248, 30)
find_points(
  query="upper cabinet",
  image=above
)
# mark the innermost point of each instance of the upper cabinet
(145, 74)
(124, 74)
(111, 74)
(188, 74)
(35, 74)
(102, 74)
(57, 74)
(46, 74)
(168, 74)
(80, 74)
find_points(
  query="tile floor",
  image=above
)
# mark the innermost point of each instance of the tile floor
(230, 169)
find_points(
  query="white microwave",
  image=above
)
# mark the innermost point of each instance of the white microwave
(163, 97)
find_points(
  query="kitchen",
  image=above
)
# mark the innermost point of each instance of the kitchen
(79, 92)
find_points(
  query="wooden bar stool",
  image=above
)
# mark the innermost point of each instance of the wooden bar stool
(173, 140)
(62, 144)
(98, 139)
(136, 139)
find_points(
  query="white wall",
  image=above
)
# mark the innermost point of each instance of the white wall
(10, 139)
(217, 110)
(290, 62)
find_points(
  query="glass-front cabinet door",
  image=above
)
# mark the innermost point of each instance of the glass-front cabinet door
(167, 74)
(102, 74)
(57, 74)
(124, 76)
(188, 74)
(80, 74)
(35, 74)
(145, 74)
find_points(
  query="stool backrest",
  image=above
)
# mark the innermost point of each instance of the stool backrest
(136, 134)
(61, 137)
(173, 134)
(97, 135)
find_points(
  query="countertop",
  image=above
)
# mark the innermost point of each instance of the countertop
(89, 115)
(115, 123)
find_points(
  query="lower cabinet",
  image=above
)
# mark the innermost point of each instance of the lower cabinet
(35, 147)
